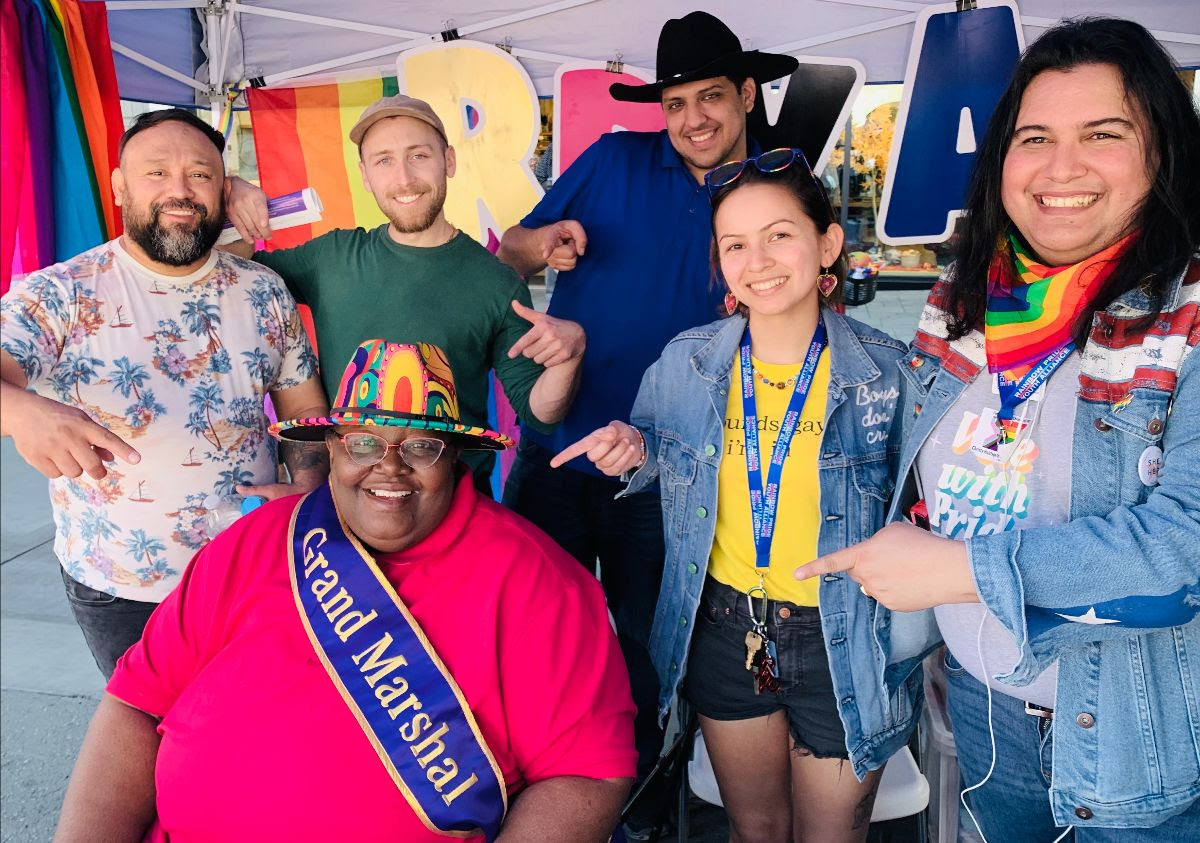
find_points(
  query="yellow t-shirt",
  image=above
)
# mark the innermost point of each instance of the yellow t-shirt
(798, 516)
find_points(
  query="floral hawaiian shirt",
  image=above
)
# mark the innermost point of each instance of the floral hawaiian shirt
(179, 368)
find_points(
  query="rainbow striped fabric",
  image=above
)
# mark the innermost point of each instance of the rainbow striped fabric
(58, 138)
(1032, 308)
(301, 136)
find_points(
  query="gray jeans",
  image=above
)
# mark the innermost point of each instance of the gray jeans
(110, 624)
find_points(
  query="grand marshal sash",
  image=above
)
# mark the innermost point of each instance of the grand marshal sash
(390, 678)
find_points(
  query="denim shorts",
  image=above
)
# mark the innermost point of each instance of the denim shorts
(719, 687)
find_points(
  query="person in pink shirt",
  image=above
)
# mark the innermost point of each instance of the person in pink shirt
(391, 657)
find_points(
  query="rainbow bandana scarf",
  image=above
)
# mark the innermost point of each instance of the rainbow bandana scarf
(1032, 309)
(387, 673)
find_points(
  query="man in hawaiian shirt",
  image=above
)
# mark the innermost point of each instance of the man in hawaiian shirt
(134, 374)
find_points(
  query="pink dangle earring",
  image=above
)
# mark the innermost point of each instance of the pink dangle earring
(731, 302)
(826, 282)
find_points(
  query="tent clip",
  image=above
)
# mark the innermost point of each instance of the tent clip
(450, 33)
(965, 5)
(615, 65)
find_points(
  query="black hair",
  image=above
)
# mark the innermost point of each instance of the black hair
(813, 199)
(150, 119)
(1168, 219)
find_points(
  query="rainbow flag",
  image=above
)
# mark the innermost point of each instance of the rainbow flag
(301, 136)
(58, 142)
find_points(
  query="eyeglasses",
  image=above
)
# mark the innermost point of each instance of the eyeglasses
(367, 449)
(768, 162)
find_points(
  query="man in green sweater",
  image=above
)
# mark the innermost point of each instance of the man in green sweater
(419, 279)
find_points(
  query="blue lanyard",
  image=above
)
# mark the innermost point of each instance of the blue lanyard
(1015, 392)
(763, 505)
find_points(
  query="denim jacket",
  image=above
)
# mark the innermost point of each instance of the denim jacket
(1113, 594)
(680, 411)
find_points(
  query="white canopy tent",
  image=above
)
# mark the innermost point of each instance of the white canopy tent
(289, 41)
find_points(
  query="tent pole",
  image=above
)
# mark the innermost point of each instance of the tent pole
(139, 5)
(517, 17)
(334, 23)
(157, 67)
(226, 40)
(212, 36)
(830, 37)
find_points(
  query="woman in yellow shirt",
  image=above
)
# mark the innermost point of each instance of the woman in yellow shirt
(770, 433)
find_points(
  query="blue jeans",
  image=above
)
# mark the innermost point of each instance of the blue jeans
(1014, 804)
(577, 510)
(110, 625)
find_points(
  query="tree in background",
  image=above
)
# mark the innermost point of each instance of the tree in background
(871, 144)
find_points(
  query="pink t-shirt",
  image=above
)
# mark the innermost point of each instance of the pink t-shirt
(258, 745)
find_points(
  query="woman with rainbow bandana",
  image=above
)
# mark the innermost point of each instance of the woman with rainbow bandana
(1052, 450)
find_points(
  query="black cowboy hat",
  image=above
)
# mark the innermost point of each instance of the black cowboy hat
(699, 46)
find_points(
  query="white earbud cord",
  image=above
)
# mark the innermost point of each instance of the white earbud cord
(1009, 475)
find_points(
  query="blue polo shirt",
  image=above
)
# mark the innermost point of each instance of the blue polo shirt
(644, 277)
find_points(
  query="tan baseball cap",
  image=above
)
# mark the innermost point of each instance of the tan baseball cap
(398, 105)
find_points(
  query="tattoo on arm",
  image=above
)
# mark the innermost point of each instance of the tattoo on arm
(305, 457)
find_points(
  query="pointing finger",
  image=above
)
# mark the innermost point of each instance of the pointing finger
(528, 313)
(575, 232)
(572, 451)
(531, 336)
(102, 437)
(841, 560)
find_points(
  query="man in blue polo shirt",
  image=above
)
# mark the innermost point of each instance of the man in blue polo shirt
(628, 228)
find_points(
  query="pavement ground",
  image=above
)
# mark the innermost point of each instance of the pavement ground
(49, 685)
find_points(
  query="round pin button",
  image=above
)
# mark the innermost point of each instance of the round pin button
(1085, 720)
(1101, 425)
(709, 450)
(1149, 465)
(692, 568)
(1083, 812)
(1154, 427)
(785, 613)
(701, 512)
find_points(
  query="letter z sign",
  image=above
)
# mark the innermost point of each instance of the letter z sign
(958, 67)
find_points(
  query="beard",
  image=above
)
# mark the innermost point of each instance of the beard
(174, 244)
(416, 220)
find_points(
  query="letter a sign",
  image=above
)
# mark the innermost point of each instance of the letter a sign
(958, 67)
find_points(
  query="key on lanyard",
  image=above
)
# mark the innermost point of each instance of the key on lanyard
(757, 633)
(759, 647)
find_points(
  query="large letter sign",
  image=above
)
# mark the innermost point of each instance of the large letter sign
(958, 67)
(583, 109)
(809, 108)
(489, 107)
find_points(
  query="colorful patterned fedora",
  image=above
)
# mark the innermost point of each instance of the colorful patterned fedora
(399, 386)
